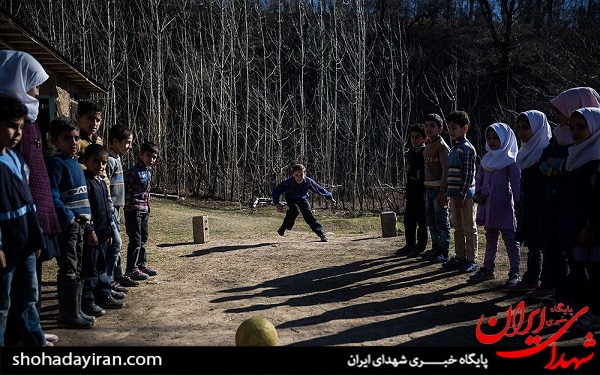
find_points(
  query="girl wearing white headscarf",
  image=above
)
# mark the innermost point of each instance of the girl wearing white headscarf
(532, 225)
(497, 191)
(582, 165)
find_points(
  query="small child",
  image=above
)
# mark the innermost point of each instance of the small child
(295, 189)
(436, 203)
(89, 118)
(460, 190)
(582, 167)
(534, 132)
(137, 212)
(69, 192)
(414, 213)
(97, 294)
(119, 140)
(497, 192)
(21, 236)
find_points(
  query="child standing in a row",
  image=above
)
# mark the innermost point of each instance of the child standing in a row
(532, 219)
(497, 192)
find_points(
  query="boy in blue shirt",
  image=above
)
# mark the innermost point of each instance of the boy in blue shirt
(21, 237)
(69, 192)
(295, 188)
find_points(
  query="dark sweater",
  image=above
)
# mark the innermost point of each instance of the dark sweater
(69, 188)
(100, 206)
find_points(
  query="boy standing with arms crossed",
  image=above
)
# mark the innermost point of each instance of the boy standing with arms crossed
(137, 211)
(436, 204)
(460, 190)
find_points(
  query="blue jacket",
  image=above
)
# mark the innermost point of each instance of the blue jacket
(20, 230)
(292, 190)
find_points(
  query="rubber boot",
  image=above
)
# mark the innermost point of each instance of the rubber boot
(80, 296)
(68, 307)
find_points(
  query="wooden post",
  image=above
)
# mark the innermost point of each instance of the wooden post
(388, 224)
(200, 227)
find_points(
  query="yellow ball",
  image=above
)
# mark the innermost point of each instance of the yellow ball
(256, 331)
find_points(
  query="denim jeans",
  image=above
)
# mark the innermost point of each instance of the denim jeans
(136, 226)
(20, 273)
(438, 221)
(113, 253)
(93, 274)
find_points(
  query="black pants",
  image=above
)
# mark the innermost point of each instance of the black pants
(136, 226)
(414, 216)
(70, 242)
(295, 206)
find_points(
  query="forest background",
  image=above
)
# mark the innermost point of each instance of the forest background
(234, 92)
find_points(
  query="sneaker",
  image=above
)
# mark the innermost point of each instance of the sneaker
(117, 287)
(483, 274)
(281, 231)
(513, 278)
(414, 253)
(126, 281)
(323, 238)
(439, 258)
(110, 303)
(523, 286)
(454, 263)
(468, 267)
(117, 295)
(404, 251)
(540, 293)
(92, 309)
(148, 270)
(137, 275)
(587, 322)
(50, 337)
(425, 254)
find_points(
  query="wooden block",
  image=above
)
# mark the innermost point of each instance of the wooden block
(388, 224)
(200, 227)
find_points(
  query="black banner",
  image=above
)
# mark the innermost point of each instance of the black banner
(294, 360)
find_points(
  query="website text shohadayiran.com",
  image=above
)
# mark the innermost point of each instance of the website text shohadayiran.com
(84, 361)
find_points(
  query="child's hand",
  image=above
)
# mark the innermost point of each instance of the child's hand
(442, 199)
(92, 239)
(2, 259)
(279, 207)
(480, 199)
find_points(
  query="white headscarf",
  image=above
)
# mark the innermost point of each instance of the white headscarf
(531, 151)
(589, 149)
(568, 101)
(506, 154)
(19, 73)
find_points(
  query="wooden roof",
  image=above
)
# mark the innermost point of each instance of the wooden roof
(14, 35)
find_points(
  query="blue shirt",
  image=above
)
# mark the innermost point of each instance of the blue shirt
(293, 190)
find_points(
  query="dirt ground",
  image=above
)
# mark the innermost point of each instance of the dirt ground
(350, 291)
